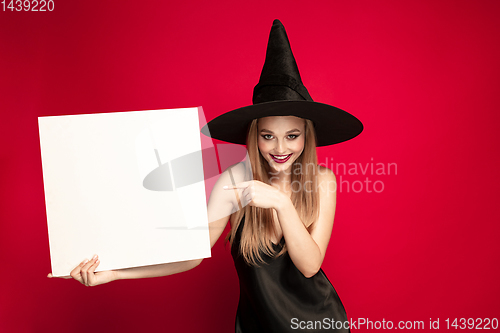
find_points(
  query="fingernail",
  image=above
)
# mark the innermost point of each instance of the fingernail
(86, 261)
(225, 187)
(94, 257)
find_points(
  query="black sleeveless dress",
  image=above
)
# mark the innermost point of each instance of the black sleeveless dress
(275, 297)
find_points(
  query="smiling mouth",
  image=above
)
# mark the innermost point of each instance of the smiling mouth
(280, 158)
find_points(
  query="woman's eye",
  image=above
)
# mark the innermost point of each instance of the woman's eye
(292, 136)
(267, 136)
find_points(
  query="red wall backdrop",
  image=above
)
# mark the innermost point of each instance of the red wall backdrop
(423, 76)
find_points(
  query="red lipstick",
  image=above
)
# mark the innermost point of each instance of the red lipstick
(280, 158)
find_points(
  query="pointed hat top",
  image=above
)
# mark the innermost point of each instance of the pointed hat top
(280, 78)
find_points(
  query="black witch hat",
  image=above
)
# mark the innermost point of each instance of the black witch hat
(280, 92)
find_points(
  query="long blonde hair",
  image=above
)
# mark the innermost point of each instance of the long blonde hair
(259, 222)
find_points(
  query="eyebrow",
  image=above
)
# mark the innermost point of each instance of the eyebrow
(290, 131)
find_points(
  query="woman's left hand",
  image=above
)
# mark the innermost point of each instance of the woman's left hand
(258, 194)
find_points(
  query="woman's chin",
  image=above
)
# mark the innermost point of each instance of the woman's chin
(280, 167)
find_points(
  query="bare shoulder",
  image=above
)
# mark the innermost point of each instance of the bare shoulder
(233, 174)
(223, 203)
(325, 174)
(237, 172)
(327, 182)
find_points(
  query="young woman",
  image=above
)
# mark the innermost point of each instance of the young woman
(279, 202)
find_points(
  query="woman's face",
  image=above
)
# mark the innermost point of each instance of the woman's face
(281, 140)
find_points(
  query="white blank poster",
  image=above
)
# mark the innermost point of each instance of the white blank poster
(110, 188)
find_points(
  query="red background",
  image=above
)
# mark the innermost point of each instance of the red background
(423, 76)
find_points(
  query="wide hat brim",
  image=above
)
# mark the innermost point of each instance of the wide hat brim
(332, 125)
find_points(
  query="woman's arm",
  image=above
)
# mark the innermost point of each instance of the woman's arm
(307, 248)
(156, 270)
(85, 272)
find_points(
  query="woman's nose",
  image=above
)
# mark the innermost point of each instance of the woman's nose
(280, 147)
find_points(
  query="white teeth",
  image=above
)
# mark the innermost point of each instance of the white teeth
(280, 157)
